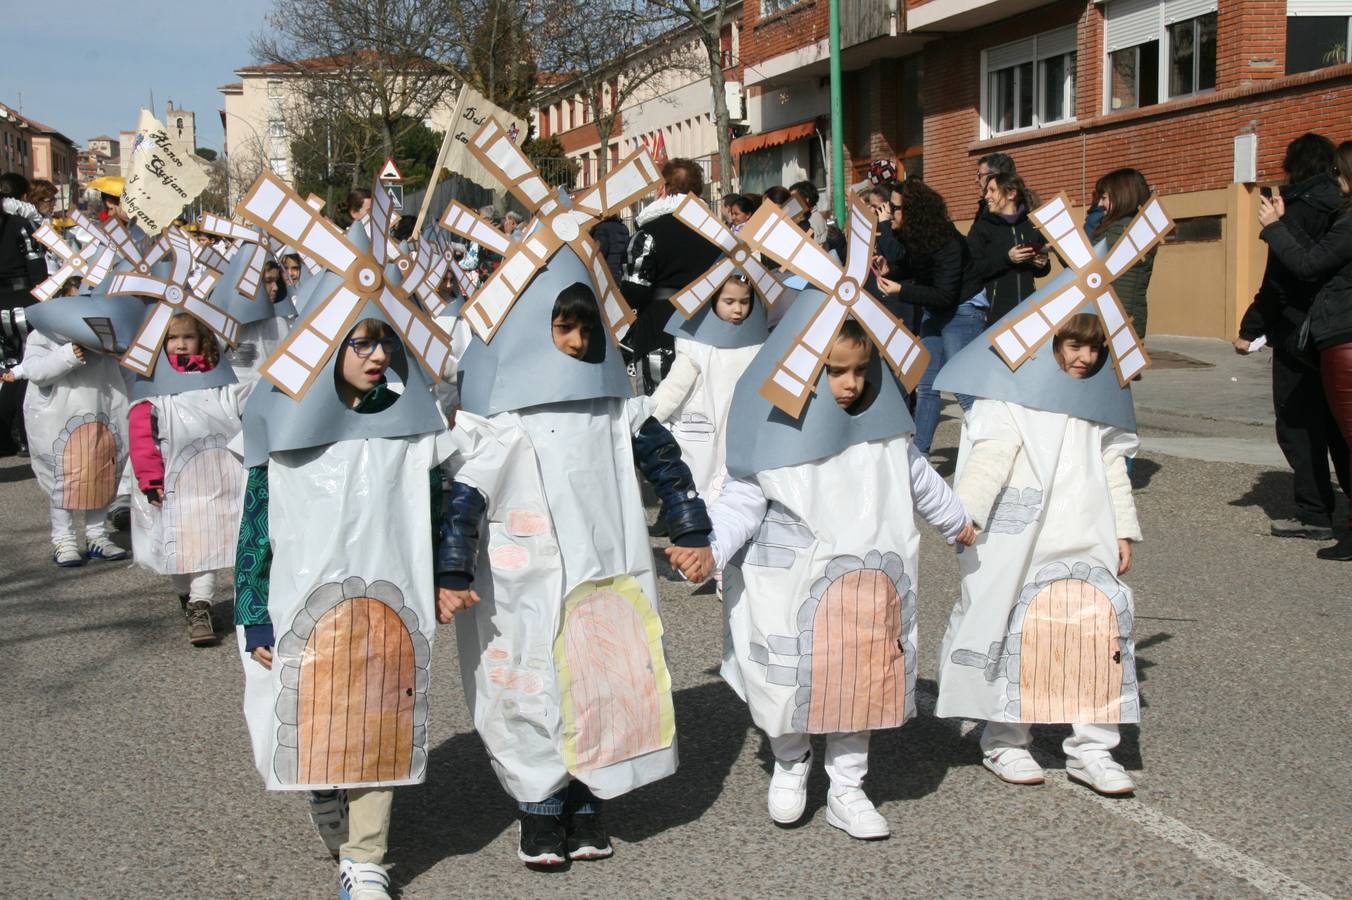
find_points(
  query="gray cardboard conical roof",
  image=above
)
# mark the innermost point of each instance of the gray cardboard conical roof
(762, 437)
(274, 422)
(94, 320)
(523, 368)
(246, 309)
(704, 327)
(1039, 383)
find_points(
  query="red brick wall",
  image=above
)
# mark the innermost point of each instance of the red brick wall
(1182, 145)
(766, 36)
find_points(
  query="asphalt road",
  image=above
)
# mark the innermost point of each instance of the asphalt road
(126, 768)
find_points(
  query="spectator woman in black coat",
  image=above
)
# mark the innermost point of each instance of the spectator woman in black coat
(938, 277)
(1306, 430)
(1007, 248)
(1330, 321)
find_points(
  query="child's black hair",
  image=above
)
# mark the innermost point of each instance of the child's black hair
(576, 304)
(852, 331)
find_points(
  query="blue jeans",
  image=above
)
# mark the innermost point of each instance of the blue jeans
(943, 336)
(576, 798)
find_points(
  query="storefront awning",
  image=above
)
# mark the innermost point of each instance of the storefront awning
(753, 142)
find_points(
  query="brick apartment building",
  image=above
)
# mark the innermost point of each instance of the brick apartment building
(1071, 89)
(35, 150)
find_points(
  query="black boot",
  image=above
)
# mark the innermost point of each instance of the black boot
(1340, 551)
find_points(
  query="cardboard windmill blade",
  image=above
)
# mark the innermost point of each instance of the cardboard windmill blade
(772, 232)
(174, 291)
(273, 206)
(1095, 269)
(424, 275)
(91, 262)
(556, 225)
(738, 259)
(249, 241)
(435, 246)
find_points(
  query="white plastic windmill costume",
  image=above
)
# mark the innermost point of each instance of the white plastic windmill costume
(91, 262)
(771, 231)
(277, 209)
(556, 225)
(737, 259)
(1021, 337)
(175, 292)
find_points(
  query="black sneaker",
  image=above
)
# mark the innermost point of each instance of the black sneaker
(543, 840)
(587, 837)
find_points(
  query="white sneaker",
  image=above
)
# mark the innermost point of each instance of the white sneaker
(362, 881)
(788, 790)
(66, 553)
(1102, 773)
(850, 810)
(1014, 765)
(102, 548)
(328, 812)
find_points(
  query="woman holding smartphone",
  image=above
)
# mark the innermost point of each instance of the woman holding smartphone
(1007, 249)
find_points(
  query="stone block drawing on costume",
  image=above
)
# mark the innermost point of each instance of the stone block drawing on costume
(612, 674)
(201, 506)
(1068, 655)
(852, 661)
(776, 542)
(1014, 510)
(353, 699)
(86, 454)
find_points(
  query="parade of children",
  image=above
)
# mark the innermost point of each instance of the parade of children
(373, 470)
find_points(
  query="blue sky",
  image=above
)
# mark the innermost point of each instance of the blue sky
(86, 68)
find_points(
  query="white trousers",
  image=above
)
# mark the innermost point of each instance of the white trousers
(199, 586)
(1086, 741)
(63, 523)
(846, 754)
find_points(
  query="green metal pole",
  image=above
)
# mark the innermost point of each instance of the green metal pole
(837, 121)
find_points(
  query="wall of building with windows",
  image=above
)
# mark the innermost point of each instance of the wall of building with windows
(1075, 89)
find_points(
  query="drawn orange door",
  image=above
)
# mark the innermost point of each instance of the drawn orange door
(89, 467)
(355, 707)
(858, 670)
(1070, 666)
(617, 702)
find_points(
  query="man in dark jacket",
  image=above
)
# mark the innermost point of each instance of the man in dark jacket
(665, 255)
(1306, 430)
(22, 266)
(612, 236)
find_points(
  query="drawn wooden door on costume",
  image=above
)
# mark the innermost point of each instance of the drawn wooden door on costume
(87, 452)
(202, 492)
(858, 666)
(613, 679)
(356, 696)
(1070, 666)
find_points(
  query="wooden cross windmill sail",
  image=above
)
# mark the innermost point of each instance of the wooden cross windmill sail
(556, 224)
(771, 231)
(175, 293)
(1017, 341)
(737, 259)
(282, 213)
(91, 262)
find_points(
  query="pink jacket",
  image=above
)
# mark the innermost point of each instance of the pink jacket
(144, 447)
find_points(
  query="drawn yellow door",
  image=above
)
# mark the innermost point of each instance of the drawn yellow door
(858, 669)
(355, 709)
(1070, 667)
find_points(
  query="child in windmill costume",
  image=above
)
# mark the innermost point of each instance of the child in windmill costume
(330, 437)
(1042, 632)
(75, 412)
(721, 326)
(185, 409)
(815, 527)
(563, 661)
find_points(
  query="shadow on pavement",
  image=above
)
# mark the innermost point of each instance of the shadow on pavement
(1142, 470)
(1270, 491)
(462, 808)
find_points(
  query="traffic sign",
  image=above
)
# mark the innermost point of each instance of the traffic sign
(389, 171)
(396, 192)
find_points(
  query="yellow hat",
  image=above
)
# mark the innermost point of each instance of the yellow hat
(61, 223)
(113, 185)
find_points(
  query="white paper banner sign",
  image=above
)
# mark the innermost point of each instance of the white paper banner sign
(161, 179)
(472, 109)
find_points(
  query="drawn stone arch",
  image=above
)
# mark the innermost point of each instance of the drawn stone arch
(353, 703)
(614, 686)
(86, 453)
(201, 509)
(852, 662)
(1068, 654)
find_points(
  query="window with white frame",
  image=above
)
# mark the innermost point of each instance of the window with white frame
(1029, 83)
(1158, 50)
(1318, 34)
